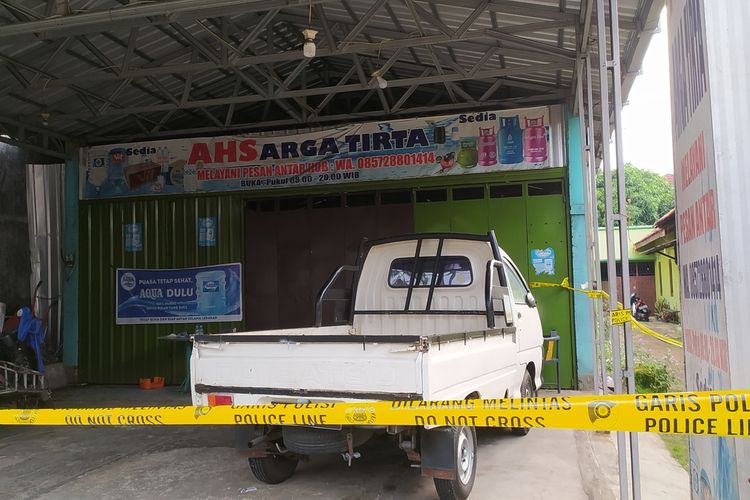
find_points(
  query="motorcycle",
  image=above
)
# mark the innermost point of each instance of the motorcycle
(638, 308)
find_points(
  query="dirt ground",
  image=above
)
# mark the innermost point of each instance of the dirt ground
(662, 351)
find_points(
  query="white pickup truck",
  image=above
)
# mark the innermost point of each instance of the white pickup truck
(428, 317)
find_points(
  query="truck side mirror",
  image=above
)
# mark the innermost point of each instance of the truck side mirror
(530, 300)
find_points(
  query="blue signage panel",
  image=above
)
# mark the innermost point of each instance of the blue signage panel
(543, 260)
(206, 231)
(196, 294)
(133, 237)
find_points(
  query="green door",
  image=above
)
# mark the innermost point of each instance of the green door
(525, 216)
(469, 210)
(507, 216)
(432, 211)
(547, 227)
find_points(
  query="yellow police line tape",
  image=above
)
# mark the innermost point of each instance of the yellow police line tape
(601, 294)
(720, 413)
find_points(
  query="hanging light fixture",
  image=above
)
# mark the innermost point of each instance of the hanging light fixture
(308, 49)
(378, 79)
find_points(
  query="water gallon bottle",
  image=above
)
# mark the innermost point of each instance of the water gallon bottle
(210, 230)
(455, 135)
(211, 292)
(117, 160)
(190, 177)
(511, 140)
(535, 140)
(487, 146)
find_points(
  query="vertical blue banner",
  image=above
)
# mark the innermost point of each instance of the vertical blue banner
(543, 260)
(133, 237)
(205, 294)
(207, 231)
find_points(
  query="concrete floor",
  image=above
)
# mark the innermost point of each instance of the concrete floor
(199, 462)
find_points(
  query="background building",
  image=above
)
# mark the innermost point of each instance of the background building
(661, 243)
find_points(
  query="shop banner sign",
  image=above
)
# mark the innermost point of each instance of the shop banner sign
(715, 471)
(196, 294)
(490, 141)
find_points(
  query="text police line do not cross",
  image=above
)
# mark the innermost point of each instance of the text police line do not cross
(720, 413)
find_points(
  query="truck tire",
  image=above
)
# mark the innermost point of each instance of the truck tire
(465, 450)
(312, 441)
(527, 391)
(273, 469)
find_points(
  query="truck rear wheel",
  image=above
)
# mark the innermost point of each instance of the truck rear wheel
(527, 391)
(273, 469)
(465, 450)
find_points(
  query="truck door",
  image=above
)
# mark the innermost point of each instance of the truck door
(528, 327)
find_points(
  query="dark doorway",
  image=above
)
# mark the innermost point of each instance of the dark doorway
(293, 244)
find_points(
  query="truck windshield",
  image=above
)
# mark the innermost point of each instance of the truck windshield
(452, 271)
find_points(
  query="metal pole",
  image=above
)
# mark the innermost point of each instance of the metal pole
(594, 228)
(587, 216)
(595, 222)
(611, 257)
(622, 204)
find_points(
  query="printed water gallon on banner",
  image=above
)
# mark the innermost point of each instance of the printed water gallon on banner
(488, 141)
(206, 294)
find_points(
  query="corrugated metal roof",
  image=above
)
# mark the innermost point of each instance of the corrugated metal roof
(107, 70)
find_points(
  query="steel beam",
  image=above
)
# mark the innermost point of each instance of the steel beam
(157, 13)
(547, 52)
(434, 21)
(416, 15)
(343, 118)
(402, 100)
(162, 121)
(402, 82)
(478, 11)
(532, 44)
(59, 47)
(362, 101)
(35, 148)
(201, 46)
(212, 118)
(132, 40)
(400, 28)
(257, 29)
(386, 33)
(362, 22)
(332, 94)
(230, 110)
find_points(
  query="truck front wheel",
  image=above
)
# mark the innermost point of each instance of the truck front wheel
(273, 469)
(465, 449)
(527, 391)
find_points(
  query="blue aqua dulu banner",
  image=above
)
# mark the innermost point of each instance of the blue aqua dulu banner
(196, 294)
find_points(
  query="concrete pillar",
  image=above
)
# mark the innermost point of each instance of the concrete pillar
(579, 257)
